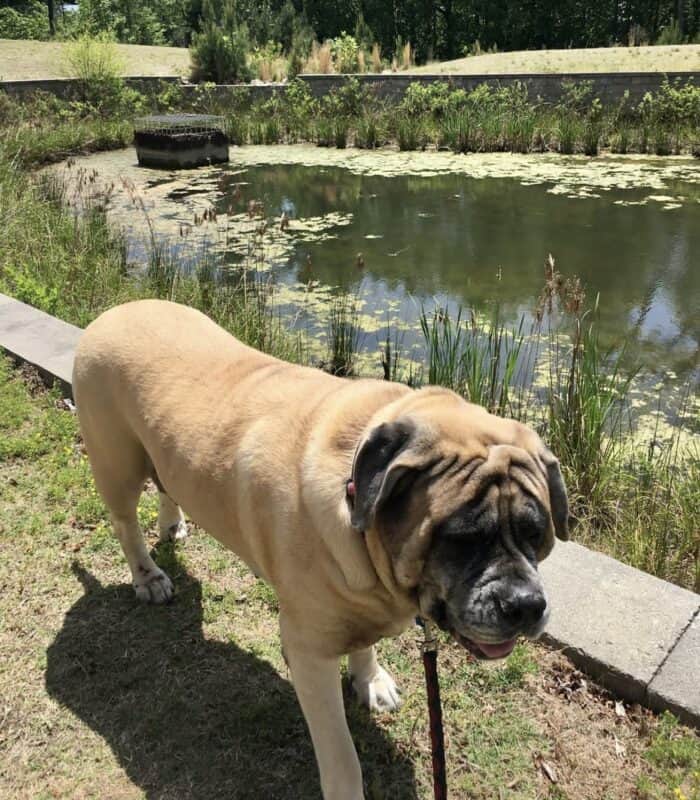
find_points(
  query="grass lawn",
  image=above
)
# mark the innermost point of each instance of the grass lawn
(103, 697)
(662, 58)
(27, 60)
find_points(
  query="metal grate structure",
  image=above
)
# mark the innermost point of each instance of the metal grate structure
(180, 141)
(175, 124)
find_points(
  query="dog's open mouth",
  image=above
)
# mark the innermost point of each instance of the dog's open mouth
(485, 649)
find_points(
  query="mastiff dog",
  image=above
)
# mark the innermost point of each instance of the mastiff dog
(362, 502)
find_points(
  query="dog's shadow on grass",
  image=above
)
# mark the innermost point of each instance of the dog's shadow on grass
(191, 718)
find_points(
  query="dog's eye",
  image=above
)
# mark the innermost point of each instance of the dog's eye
(530, 533)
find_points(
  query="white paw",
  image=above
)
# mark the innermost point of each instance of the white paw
(174, 532)
(153, 586)
(378, 693)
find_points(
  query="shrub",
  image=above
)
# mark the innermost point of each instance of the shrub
(219, 52)
(95, 63)
(345, 53)
(93, 59)
(674, 103)
(30, 24)
(348, 100)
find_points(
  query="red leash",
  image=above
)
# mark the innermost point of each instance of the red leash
(437, 737)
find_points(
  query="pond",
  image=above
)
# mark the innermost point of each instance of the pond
(406, 230)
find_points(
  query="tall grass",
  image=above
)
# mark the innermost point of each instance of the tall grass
(367, 133)
(344, 334)
(411, 133)
(482, 362)
(586, 405)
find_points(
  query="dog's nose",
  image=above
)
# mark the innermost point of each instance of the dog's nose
(522, 607)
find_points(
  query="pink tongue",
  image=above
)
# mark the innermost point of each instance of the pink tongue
(496, 650)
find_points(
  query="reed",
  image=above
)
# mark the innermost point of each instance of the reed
(367, 135)
(411, 133)
(481, 362)
(344, 334)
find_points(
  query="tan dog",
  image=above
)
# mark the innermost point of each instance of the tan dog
(362, 502)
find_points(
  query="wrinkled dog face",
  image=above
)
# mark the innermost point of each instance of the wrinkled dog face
(480, 579)
(466, 524)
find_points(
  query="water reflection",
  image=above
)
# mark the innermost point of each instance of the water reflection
(483, 241)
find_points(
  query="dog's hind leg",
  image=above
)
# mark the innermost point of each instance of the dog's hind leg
(171, 520)
(120, 468)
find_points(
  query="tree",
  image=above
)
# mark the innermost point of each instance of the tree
(52, 16)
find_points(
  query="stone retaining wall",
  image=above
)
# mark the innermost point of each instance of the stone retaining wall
(66, 87)
(609, 86)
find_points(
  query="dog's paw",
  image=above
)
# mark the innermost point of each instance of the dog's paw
(153, 586)
(174, 532)
(378, 693)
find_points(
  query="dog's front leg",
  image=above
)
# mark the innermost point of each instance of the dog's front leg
(317, 684)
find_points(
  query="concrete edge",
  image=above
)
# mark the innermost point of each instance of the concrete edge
(629, 687)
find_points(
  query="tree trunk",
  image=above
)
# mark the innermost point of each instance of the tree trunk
(52, 16)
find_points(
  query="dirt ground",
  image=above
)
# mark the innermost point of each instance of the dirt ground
(102, 697)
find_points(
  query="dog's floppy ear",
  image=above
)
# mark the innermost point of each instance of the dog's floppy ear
(558, 501)
(376, 470)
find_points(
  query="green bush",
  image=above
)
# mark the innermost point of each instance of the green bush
(33, 23)
(674, 103)
(345, 53)
(94, 62)
(219, 52)
(348, 100)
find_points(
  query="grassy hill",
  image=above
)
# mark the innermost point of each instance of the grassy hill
(26, 60)
(663, 58)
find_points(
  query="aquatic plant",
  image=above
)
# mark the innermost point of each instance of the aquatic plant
(344, 334)
(411, 133)
(568, 129)
(479, 360)
(367, 134)
(458, 132)
(341, 130)
(325, 133)
(621, 140)
(520, 130)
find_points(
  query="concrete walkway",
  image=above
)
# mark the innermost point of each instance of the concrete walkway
(635, 634)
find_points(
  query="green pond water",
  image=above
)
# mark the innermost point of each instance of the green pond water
(407, 230)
